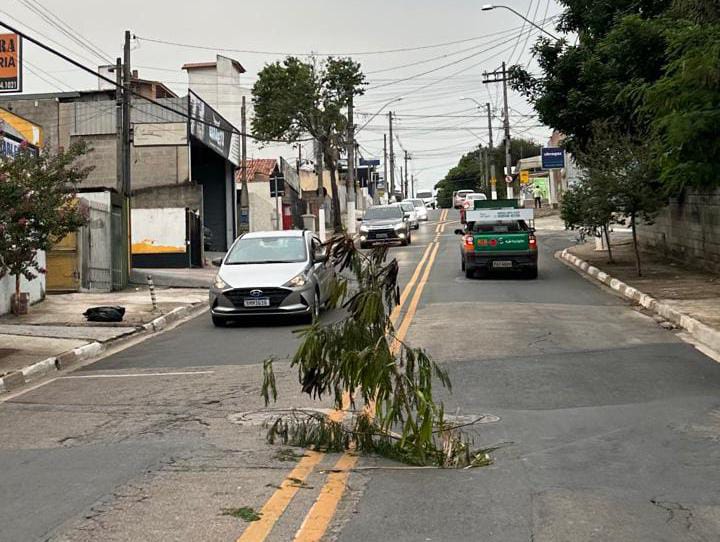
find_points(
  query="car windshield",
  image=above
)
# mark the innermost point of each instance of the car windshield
(416, 202)
(424, 195)
(476, 196)
(383, 213)
(500, 227)
(267, 250)
(407, 206)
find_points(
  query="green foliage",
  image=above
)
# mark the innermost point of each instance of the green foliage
(244, 512)
(37, 206)
(361, 358)
(294, 98)
(649, 67)
(685, 107)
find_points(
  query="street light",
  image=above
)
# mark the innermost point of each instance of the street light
(472, 99)
(488, 7)
(378, 112)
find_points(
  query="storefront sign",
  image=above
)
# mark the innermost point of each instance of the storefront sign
(10, 63)
(208, 126)
(553, 158)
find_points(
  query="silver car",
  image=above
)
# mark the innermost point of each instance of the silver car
(410, 212)
(271, 274)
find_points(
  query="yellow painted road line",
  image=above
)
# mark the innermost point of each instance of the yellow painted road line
(279, 501)
(409, 286)
(320, 515)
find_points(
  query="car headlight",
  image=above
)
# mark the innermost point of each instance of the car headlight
(297, 281)
(219, 283)
(399, 226)
(363, 227)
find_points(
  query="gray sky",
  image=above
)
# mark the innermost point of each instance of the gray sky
(321, 26)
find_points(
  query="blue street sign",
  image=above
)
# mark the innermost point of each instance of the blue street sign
(364, 162)
(553, 158)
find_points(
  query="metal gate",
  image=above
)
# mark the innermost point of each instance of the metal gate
(62, 266)
(96, 243)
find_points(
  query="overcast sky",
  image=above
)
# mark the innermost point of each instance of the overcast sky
(321, 26)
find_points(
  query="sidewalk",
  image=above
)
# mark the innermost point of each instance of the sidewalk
(55, 333)
(687, 298)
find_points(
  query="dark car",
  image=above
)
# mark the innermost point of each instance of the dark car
(383, 225)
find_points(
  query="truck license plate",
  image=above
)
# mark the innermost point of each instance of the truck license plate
(502, 263)
(260, 302)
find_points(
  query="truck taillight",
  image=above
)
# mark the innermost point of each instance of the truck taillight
(469, 242)
(533, 243)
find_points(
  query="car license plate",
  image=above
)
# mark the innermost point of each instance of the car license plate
(260, 302)
(502, 263)
(381, 235)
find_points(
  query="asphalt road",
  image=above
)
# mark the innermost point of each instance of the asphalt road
(608, 426)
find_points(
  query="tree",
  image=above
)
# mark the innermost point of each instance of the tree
(621, 170)
(362, 357)
(294, 98)
(588, 207)
(37, 207)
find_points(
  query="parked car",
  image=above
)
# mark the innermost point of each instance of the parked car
(420, 209)
(458, 198)
(385, 224)
(410, 213)
(469, 203)
(271, 273)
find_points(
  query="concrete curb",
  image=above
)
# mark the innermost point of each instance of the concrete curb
(16, 379)
(702, 332)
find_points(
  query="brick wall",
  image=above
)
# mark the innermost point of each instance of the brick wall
(687, 229)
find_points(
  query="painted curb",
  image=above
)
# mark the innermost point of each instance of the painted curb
(702, 332)
(17, 379)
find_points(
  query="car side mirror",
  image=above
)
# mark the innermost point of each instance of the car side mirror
(217, 262)
(459, 232)
(359, 219)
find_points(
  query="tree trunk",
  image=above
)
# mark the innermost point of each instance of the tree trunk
(635, 244)
(606, 232)
(332, 166)
(17, 286)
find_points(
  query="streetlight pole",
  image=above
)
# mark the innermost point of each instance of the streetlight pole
(488, 7)
(491, 154)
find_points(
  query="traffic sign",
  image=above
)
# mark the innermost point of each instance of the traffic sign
(508, 179)
(524, 176)
(277, 186)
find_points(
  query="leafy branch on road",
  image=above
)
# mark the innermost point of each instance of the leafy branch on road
(360, 358)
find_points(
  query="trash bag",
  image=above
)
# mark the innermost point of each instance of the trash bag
(104, 314)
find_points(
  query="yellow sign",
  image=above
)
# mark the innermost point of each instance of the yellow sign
(524, 176)
(493, 182)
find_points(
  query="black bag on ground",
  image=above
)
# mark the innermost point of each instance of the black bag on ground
(104, 314)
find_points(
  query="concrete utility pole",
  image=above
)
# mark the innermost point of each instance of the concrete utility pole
(412, 186)
(126, 161)
(376, 197)
(493, 178)
(508, 158)
(244, 195)
(405, 179)
(350, 169)
(320, 189)
(392, 159)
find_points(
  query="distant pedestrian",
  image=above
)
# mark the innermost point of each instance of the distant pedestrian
(537, 195)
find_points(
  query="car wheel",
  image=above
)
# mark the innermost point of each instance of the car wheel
(469, 272)
(462, 264)
(314, 313)
(363, 245)
(219, 321)
(532, 273)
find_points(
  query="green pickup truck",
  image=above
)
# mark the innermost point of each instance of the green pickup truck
(497, 236)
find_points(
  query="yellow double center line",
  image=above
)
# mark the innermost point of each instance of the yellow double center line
(321, 513)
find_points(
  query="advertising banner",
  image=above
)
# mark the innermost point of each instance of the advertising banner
(10, 63)
(208, 126)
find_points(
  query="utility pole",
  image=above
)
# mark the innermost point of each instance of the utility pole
(351, 201)
(392, 159)
(491, 161)
(412, 186)
(405, 179)
(320, 189)
(508, 158)
(126, 161)
(244, 195)
(376, 197)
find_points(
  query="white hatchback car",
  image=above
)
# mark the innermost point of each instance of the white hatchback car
(420, 209)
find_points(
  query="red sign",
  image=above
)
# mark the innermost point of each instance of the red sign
(10, 63)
